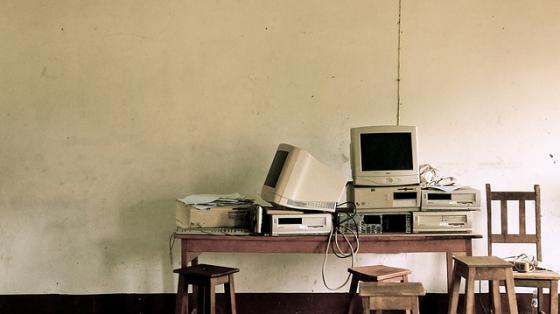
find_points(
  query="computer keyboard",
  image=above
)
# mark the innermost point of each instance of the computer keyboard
(215, 230)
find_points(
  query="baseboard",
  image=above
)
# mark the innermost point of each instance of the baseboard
(247, 303)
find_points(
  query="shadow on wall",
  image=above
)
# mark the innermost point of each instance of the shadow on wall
(137, 256)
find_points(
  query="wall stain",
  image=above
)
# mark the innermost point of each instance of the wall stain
(554, 161)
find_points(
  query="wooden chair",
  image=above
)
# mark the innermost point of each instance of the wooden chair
(539, 278)
(205, 278)
(391, 296)
(474, 268)
(374, 273)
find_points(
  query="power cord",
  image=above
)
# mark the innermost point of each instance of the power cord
(522, 262)
(340, 229)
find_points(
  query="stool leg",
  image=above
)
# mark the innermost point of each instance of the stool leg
(365, 305)
(229, 289)
(352, 293)
(415, 307)
(454, 293)
(210, 297)
(553, 307)
(197, 295)
(469, 293)
(201, 307)
(510, 289)
(495, 292)
(182, 301)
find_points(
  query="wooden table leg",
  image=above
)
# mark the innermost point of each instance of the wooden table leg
(184, 256)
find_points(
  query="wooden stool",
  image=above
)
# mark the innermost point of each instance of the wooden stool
(391, 296)
(481, 268)
(205, 278)
(374, 273)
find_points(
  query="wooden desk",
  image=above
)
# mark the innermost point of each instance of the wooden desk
(452, 244)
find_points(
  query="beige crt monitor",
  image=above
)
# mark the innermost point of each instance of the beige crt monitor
(384, 156)
(298, 180)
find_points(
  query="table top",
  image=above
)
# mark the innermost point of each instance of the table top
(377, 243)
(315, 238)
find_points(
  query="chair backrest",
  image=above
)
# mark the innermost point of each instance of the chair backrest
(523, 236)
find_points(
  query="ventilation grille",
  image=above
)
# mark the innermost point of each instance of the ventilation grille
(312, 204)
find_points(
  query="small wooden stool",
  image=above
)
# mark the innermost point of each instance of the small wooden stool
(481, 268)
(391, 296)
(374, 273)
(205, 278)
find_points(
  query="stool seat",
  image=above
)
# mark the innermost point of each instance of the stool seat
(391, 296)
(374, 273)
(378, 272)
(204, 279)
(473, 268)
(482, 261)
(206, 271)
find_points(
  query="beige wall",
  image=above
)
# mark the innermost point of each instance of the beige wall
(111, 110)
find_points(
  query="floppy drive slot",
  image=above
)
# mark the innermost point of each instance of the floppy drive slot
(439, 196)
(405, 195)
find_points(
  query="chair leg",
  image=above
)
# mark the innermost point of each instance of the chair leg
(182, 300)
(510, 289)
(229, 289)
(553, 307)
(540, 298)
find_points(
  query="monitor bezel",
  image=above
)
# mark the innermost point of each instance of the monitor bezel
(389, 175)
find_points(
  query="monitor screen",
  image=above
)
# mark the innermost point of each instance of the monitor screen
(386, 151)
(276, 168)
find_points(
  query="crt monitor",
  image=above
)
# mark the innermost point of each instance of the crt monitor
(298, 180)
(384, 155)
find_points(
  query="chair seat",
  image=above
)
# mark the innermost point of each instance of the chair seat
(537, 275)
(378, 272)
(206, 271)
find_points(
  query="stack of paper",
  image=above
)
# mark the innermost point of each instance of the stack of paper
(207, 201)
